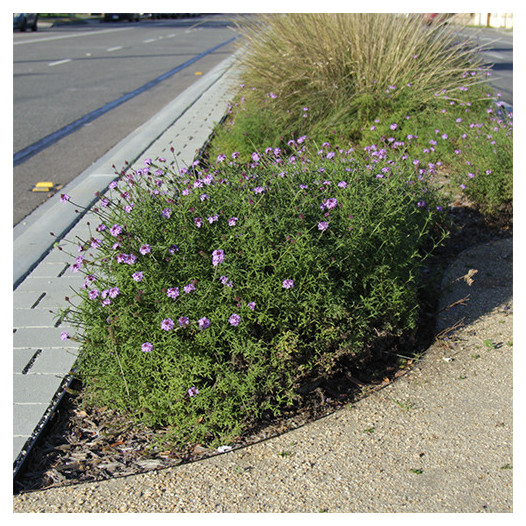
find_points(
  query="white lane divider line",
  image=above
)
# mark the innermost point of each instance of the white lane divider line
(149, 40)
(116, 48)
(59, 62)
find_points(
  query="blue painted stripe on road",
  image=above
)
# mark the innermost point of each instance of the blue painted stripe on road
(28, 152)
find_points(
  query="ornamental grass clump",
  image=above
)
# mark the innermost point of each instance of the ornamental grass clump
(211, 297)
(320, 73)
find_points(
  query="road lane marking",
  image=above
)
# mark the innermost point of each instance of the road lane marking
(60, 37)
(28, 152)
(116, 48)
(59, 62)
(149, 40)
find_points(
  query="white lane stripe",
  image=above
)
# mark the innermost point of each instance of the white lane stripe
(116, 48)
(60, 37)
(149, 40)
(59, 62)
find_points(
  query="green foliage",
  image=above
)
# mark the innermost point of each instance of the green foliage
(351, 243)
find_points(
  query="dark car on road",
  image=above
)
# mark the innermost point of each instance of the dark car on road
(23, 21)
(115, 17)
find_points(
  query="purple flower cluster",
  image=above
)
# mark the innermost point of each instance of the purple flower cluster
(218, 256)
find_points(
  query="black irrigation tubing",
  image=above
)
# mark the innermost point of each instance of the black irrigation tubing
(28, 152)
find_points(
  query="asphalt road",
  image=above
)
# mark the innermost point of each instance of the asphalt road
(64, 74)
(497, 50)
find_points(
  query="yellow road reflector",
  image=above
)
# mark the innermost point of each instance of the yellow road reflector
(198, 72)
(43, 186)
(46, 186)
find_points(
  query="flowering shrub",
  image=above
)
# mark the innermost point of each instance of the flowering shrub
(212, 296)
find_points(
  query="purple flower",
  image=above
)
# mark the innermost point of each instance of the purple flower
(232, 221)
(189, 288)
(221, 157)
(92, 294)
(259, 190)
(64, 198)
(166, 213)
(251, 305)
(167, 324)
(218, 256)
(173, 249)
(183, 321)
(330, 203)
(115, 230)
(173, 292)
(137, 276)
(146, 347)
(145, 249)
(288, 284)
(114, 292)
(64, 336)
(193, 391)
(421, 203)
(234, 319)
(393, 126)
(213, 218)
(323, 225)
(255, 157)
(204, 323)
(342, 184)
(197, 222)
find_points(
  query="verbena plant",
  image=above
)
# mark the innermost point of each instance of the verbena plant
(212, 296)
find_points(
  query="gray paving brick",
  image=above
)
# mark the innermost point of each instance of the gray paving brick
(31, 284)
(18, 444)
(57, 256)
(35, 388)
(56, 299)
(54, 361)
(25, 300)
(26, 417)
(35, 337)
(49, 270)
(33, 318)
(21, 357)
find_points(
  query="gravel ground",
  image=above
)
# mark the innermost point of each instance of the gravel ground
(438, 439)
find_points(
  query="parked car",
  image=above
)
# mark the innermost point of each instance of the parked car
(115, 17)
(23, 21)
